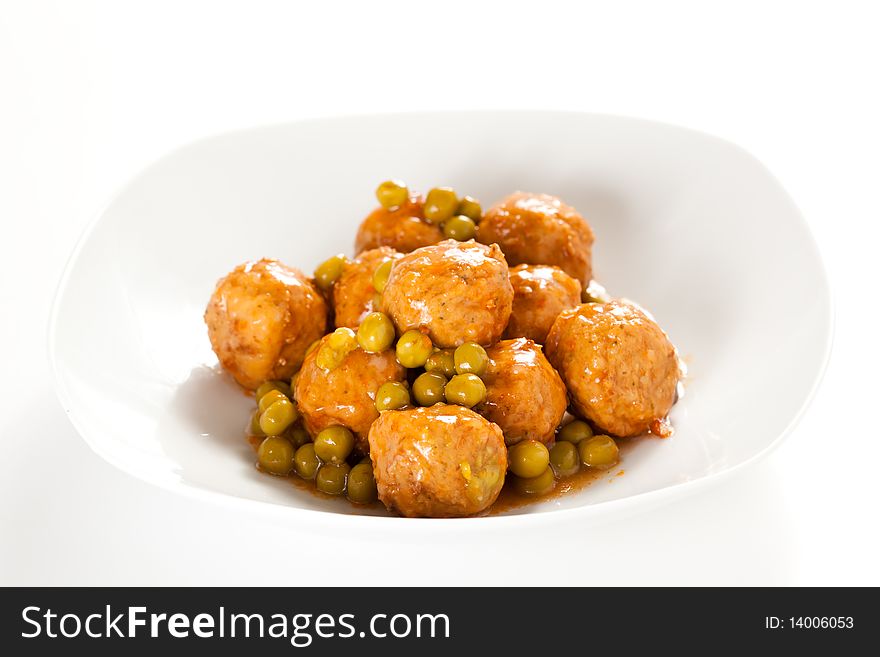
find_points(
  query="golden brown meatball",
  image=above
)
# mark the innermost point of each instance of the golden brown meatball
(542, 230)
(524, 394)
(540, 293)
(456, 291)
(353, 292)
(403, 228)
(345, 395)
(261, 319)
(439, 462)
(620, 368)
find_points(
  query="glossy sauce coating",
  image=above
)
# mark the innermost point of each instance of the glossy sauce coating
(403, 229)
(345, 395)
(442, 461)
(261, 319)
(620, 368)
(540, 229)
(457, 292)
(540, 293)
(353, 292)
(524, 394)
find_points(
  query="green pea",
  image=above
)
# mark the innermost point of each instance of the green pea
(335, 348)
(280, 386)
(392, 194)
(362, 484)
(460, 228)
(428, 389)
(328, 271)
(334, 444)
(413, 349)
(442, 362)
(528, 458)
(540, 485)
(332, 478)
(440, 204)
(564, 459)
(575, 431)
(328, 358)
(342, 338)
(270, 398)
(466, 390)
(470, 208)
(392, 396)
(254, 427)
(376, 333)
(306, 462)
(298, 436)
(380, 276)
(471, 358)
(600, 452)
(275, 455)
(280, 415)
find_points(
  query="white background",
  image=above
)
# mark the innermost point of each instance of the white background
(92, 92)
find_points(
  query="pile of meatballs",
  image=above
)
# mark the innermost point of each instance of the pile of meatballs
(457, 350)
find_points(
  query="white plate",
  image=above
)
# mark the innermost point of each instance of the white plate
(690, 226)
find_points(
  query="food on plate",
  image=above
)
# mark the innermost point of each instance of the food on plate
(401, 227)
(528, 458)
(542, 484)
(442, 461)
(261, 319)
(376, 333)
(362, 484)
(465, 390)
(430, 391)
(341, 389)
(599, 452)
(332, 478)
(275, 455)
(574, 432)
(414, 348)
(456, 292)
(540, 293)
(524, 394)
(392, 396)
(354, 292)
(620, 369)
(540, 229)
(329, 271)
(564, 459)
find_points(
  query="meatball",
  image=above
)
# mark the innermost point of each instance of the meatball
(540, 293)
(542, 230)
(345, 395)
(403, 228)
(620, 368)
(261, 319)
(456, 291)
(524, 394)
(442, 461)
(353, 292)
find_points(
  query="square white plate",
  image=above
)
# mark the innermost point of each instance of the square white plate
(690, 226)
